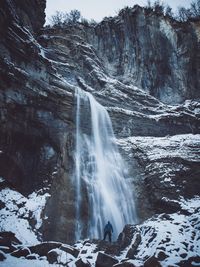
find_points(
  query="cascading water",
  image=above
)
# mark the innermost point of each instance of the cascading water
(100, 176)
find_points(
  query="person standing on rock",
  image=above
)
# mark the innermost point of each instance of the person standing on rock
(108, 230)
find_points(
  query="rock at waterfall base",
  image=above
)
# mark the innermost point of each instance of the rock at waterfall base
(131, 252)
(2, 256)
(52, 256)
(152, 262)
(82, 263)
(105, 260)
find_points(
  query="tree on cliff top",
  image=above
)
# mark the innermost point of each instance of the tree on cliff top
(193, 12)
(74, 16)
(183, 14)
(60, 18)
(57, 18)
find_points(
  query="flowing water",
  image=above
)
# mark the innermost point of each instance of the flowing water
(100, 174)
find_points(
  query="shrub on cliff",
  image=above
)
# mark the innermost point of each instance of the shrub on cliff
(191, 13)
(60, 18)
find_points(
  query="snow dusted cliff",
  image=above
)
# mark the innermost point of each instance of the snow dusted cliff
(136, 65)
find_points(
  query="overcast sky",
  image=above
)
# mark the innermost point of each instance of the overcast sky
(98, 9)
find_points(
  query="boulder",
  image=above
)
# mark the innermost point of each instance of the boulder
(42, 249)
(192, 262)
(126, 236)
(162, 256)
(52, 256)
(8, 238)
(7, 249)
(152, 262)
(59, 256)
(82, 263)
(32, 257)
(105, 260)
(71, 250)
(23, 252)
(131, 252)
(2, 256)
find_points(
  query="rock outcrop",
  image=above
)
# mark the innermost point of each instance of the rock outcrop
(36, 111)
(154, 52)
(27, 14)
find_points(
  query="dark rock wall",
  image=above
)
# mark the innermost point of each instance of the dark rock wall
(156, 53)
(34, 115)
(36, 112)
(29, 14)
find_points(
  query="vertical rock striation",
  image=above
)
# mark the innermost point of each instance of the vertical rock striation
(154, 52)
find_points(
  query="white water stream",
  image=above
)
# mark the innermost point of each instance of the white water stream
(100, 174)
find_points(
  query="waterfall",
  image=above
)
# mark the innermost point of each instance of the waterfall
(100, 174)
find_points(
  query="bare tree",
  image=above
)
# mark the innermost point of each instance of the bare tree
(84, 21)
(158, 7)
(191, 13)
(60, 18)
(183, 14)
(74, 16)
(149, 4)
(195, 9)
(168, 11)
(57, 18)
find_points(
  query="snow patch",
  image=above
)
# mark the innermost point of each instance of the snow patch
(2, 179)
(86, 253)
(18, 210)
(20, 262)
(185, 146)
(174, 234)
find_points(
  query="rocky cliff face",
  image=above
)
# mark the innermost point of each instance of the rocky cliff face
(35, 126)
(133, 64)
(156, 53)
(78, 63)
(28, 14)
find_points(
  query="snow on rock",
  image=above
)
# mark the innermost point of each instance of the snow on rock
(21, 262)
(185, 146)
(18, 212)
(165, 166)
(59, 256)
(176, 236)
(88, 253)
(1, 179)
(36, 203)
(170, 239)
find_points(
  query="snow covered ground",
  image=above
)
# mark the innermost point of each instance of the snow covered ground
(20, 262)
(176, 236)
(170, 238)
(17, 213)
